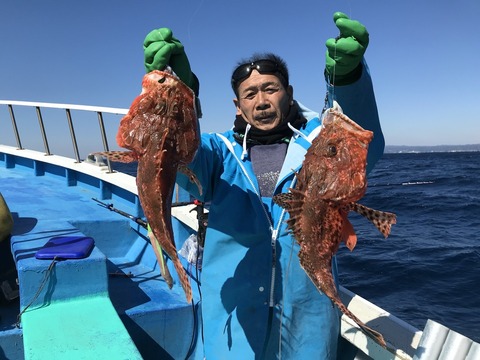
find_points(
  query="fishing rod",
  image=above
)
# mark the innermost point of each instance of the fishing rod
(163, 268)
(110, 207)
(202, 217)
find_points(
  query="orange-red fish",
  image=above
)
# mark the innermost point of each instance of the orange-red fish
(332, 179)
(161, 130)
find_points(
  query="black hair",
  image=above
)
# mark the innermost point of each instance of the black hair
(282, 72)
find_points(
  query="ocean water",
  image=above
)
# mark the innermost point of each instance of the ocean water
(429, 267)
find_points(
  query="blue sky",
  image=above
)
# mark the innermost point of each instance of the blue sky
(423, 55)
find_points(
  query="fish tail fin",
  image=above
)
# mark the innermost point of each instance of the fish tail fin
(184, 281)
(327, 285)
(182, 274)
(366, 329)
(382, 220)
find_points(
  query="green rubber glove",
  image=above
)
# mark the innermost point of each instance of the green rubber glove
(161, 48)
(345, 52)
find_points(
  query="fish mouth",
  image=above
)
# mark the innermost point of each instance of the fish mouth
(169, 70)
(338, 119)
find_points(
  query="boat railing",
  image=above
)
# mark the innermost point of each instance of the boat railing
(67, 108)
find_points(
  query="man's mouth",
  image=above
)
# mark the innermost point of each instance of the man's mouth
(265, 117)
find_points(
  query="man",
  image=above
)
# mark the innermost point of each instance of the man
(257, 302)
(8, 271)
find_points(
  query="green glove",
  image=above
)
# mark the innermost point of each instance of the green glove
(345, 52)
(161, 48)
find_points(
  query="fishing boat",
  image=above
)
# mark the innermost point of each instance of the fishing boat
(86, 283)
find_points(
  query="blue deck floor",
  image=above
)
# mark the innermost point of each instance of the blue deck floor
(48, 205)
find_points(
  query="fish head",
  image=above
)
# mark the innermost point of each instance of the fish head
(165, 109)
(337, 159)
(161, 80)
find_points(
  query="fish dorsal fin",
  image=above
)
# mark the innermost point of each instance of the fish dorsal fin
(382, 220)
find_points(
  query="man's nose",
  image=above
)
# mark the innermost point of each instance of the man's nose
(262, 102)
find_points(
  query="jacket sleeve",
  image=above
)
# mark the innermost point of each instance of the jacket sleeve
(358, 103)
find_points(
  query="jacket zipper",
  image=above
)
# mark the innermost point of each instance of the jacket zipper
(273, 231)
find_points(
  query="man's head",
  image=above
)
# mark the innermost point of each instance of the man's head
(264, 95)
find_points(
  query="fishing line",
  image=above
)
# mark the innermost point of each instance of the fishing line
(37, 294)
(332, 87)
(407, 183)
(201, 233)
(192, 17)
(293, 185)
(193, 341)
(334, 67)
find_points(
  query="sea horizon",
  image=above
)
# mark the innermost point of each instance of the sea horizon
(396, 149)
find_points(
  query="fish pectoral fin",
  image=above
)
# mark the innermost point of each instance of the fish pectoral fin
(119, 156)
(291, 200)
(382, 220)
(283, 200)
(191, 175)
(374, 334)
(348, 235)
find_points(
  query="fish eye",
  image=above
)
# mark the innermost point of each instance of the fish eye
(331, 150)
(162, 80)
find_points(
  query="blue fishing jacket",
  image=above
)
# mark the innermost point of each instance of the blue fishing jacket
(257, 302)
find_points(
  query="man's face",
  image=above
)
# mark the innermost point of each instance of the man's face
(263, 101)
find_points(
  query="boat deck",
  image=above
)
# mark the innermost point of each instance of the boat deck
(58, 202)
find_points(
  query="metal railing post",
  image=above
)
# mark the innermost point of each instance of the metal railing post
(15, 129)
(104, 138)
(42, 130)
(72, 134)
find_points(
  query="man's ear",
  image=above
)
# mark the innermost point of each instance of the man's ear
(239, 111)
(290, 94)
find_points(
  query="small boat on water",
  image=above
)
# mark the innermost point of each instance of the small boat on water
(84, 281)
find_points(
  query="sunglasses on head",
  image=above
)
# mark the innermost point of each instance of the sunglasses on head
(262, 66)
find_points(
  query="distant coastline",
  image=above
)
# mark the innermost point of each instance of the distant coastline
(396, 149)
